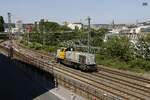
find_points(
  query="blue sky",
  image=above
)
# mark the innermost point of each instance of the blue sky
(101, 11)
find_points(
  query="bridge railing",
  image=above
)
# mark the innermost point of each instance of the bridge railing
(78, 87)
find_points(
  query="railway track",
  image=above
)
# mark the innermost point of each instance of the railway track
(117, 83)
(39, 54)
(121, 88)
(123, 74)
(67, 72)
(57, 69)
(123, 84)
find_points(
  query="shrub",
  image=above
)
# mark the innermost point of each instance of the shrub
(140, 64)
(119, 47)
(37, 46)
(51, 48)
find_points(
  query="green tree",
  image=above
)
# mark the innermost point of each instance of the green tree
(1, 24)
(51, 33)
(143, 47)
(65, 28)
(119, 47)
(51, 26)
(97, 36)
(102, 30)
(147, 38)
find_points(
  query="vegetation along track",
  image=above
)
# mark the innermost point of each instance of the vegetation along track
(105, 82)
(34, 52)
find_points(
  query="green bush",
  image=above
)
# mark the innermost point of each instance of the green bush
(140, 64)
(147, 66)
(50, 48)
(136, 65)
(31, 45)
(37, 46)
(119, 47)
(111, 62)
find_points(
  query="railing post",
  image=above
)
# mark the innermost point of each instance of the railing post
(10, 53)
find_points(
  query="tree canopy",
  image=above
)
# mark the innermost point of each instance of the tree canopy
(119, 47)
(1, 24)
(47, 26)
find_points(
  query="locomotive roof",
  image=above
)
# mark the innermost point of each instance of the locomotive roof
(82, 53)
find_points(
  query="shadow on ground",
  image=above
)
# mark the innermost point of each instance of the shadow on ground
(20, 81)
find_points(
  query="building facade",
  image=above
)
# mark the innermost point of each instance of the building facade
(75, 26)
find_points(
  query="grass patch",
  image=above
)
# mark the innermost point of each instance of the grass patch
(50, 48)
(38, 46)
(138, 65)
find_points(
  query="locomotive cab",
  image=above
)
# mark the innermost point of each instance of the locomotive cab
(61, 53)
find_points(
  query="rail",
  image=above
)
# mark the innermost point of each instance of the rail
(104, 85)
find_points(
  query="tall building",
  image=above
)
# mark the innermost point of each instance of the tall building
(113, 24)
(19, 25)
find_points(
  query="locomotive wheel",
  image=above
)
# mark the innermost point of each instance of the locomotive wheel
(83, 67)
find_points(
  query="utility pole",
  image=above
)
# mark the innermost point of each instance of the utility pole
(43, 30)
(9, 25)
(89, 32)
(44, 35)
(10, 36)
